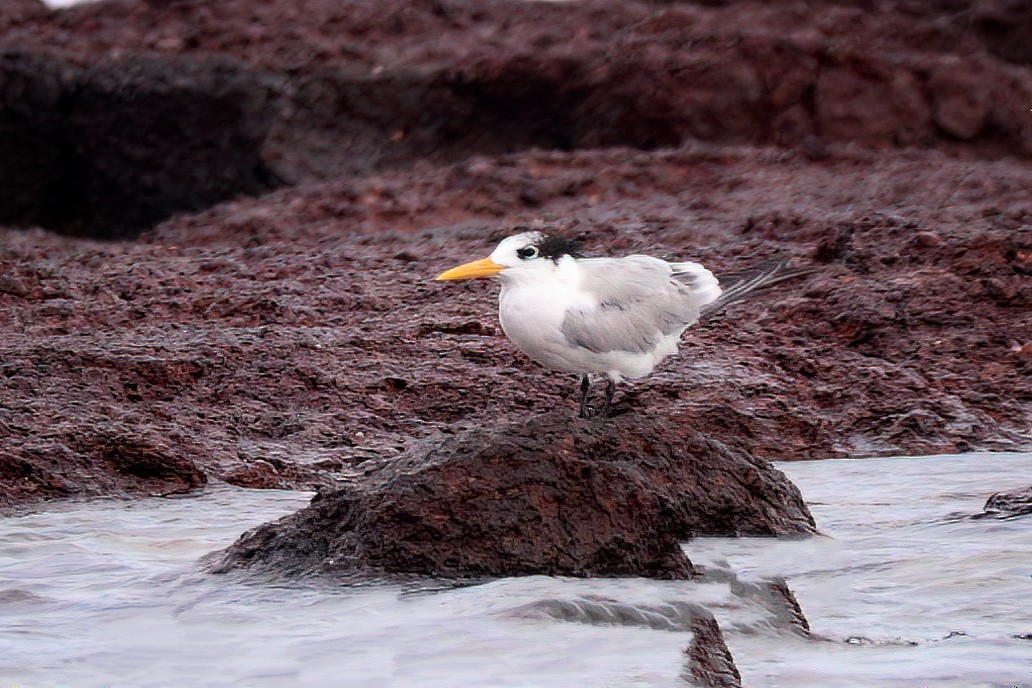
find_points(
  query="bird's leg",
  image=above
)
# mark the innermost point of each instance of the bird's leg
(585, 387)
(610, 391)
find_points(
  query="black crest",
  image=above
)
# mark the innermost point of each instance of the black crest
(555, 247)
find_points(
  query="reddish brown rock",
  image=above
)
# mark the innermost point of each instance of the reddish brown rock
(1005, 26)
(111, 150)
(137, 110)
(297, 334)
(14, 12)
(110, 458)
(303, 331)
(710, 662)
(549, 495)
(961, 102)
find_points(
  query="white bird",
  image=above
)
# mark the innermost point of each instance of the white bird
(618, 317)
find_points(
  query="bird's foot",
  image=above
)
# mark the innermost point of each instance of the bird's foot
(589, 411)
(592, 412)
(585, 388)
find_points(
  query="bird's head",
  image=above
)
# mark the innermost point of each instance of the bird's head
(521, 253)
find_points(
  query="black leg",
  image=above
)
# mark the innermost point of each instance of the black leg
(610, 391)
(585, 387)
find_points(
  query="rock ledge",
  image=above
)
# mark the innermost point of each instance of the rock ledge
(547, 495)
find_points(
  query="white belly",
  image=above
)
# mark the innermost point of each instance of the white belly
(532, 318)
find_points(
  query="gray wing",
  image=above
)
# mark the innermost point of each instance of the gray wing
(639, 301)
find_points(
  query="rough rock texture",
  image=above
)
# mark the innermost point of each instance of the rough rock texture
(1008, 505)
(296, 334)
(15, 12)
(547, 495)
(140, 110)
(111, 457)
(112, 149)
(750, 607)
(710, 662)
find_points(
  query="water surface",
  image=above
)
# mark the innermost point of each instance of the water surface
(904, 588)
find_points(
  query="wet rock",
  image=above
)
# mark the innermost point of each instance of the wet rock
(1006, 505)
(1005, 26)
(548, 495)
(710, 662)
(106, 459)
(298, 334)
(773, 596)
(292, 349)
(676, 615)
(15, 12)
(113, 149)
(753, 607)
(151, 123)
(880, 108)
(961, 101)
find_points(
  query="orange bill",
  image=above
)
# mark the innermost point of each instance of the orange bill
(478, 268)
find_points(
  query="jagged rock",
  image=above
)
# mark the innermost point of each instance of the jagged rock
(74, 459)
(417, 134)
(113, 149)
(161, 125)
(1007, 505)
(547, 495)
(710, 662)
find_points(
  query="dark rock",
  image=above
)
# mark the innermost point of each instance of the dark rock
(750, 607)
(271, 328)
(150, 122)
(710, 662)
(773, 595)
(961, 102)
(113, 149)
(105, 459)
(1005, 26)
(548, 495)
(14, 12)
(677, 615)
(1006, 505)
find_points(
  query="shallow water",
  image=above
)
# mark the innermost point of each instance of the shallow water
(927, 596)
(108, 594)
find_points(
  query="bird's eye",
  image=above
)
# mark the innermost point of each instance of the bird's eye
(527, 252)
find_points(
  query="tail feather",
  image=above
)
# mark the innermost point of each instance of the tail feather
(744, 284)
(703, 284)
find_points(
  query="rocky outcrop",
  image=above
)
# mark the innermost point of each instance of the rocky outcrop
(15, 12)
(710, 662)
(110, 150)
(112, 457)
(297, 334)
(137, 110)
(548, 495)
(1005, 505)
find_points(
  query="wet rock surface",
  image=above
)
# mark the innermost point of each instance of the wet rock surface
(1008, 505)
(289, 93)
(710, 662)
(111, 149)
(293, 336)
(15, 12)
(294, 174)
(548, 495)
(299, 334)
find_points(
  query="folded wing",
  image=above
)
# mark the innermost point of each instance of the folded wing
(637, 302)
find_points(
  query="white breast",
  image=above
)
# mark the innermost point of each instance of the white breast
(531, 309)
(532, 316)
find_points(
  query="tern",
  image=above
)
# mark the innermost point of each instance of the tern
(617, 317)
